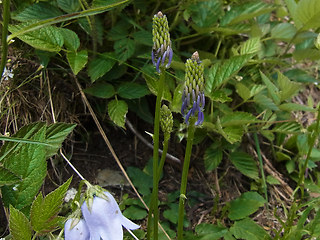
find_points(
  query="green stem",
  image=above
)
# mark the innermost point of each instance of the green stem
(184, 178)
(261, 167)
(154, 201)
(304, 168)
(6, 17)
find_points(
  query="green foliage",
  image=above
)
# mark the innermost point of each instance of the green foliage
(248, 229)
(117, 110)
(245, 164)
(19, 225)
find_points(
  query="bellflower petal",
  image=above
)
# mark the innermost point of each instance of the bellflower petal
(79, 232)
(105, 219)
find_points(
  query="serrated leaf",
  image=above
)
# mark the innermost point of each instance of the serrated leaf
(248, 230)
(28, 162)
(245, 11)
(245, 164)
(71, 39)
(46, 38)
(124, 48)
(307, 14)
(69, 6)
(143, 37)
(245, 205)
(238, 118)
(250, 46)
(44, 211)
(19, 225)
(287, 128)
(101, 90)
(232, 134)
(100, 65)
(272, 89)
(243, 91)
(38, 11)
(289, 107)
(93, 28)
(302, 54)
(153, 84)
(77, 60)
(135, 213)
(283, 31)
(132, 90)
(265, 102)
(219, 96)
(117, 110)
(219, 74)
(56, 133)
(7, 177)
(256, 89)
(212, 158)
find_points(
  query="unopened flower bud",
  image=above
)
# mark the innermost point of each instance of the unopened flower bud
(193, 99)
(162, 53)
(166, 120)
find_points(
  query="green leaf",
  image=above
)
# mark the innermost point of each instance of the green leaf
(287, 88)
(272, 89)
(100, 65)
(219, 96)
(265, 102)
(19, 225)
(245, 205)
(71, 39)
(7, 177)
(210, 231)
(307, 14)
(283, 31)
(232, 134)
(143, 37)
(132, 90)
(101, 90)
(245, 164)
(205, 13)
(250, 46)
(47, 38)
(302, 54)
(124, 48)
(238, 118)
(212, 158)
(141, 180)
(69, 6)
(175, 105)
(153, 87)
(248, 230)
(243, 91)
(287, 128)
(135, 212)
(219, 74)
(289, 107)
(44, 211)
(38, 11)
(245, 11)
(117, 110)
(77, 60)
(28, 162)
(56, 133)
(272, 180)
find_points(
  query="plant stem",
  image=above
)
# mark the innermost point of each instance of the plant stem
(6, 16)
(184, 178)
(304, 168)
(261, 167)
(154, 200)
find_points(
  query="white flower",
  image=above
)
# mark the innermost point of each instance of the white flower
(7, 74)
(76, 231)
(105, 220)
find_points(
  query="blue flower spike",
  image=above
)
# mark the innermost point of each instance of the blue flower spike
(104, 218)
(76, 229)
(193, 99)
(162, 53)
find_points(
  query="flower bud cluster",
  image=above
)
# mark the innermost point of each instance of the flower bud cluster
(162, 53)
(193, 99)
(166, 120)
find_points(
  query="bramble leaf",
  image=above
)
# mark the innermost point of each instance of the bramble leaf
(117, 110)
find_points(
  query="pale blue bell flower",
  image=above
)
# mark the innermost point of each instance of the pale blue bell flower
(79, 231)
(105, 220)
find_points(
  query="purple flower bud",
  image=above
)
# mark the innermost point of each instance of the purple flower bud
(76, 229)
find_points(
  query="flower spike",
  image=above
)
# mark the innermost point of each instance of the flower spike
(162, 53)
(193, 99)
